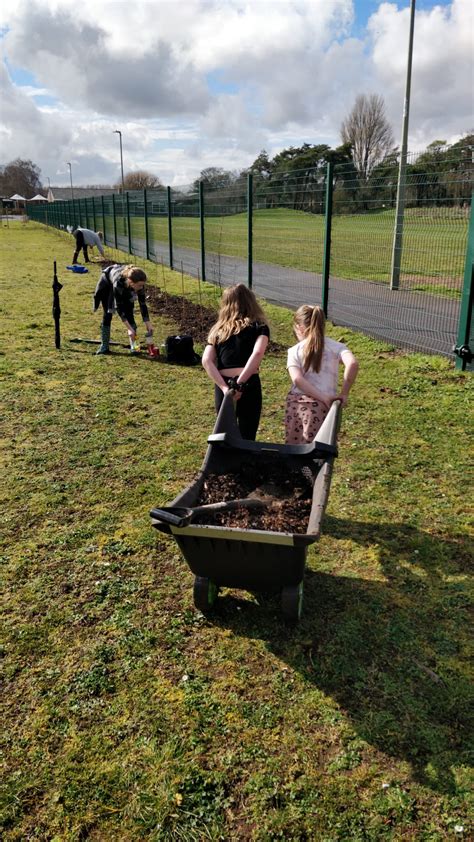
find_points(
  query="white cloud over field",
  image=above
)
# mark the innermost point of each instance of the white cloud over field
(211, 82)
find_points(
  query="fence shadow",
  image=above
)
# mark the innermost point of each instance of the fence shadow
(389, 651)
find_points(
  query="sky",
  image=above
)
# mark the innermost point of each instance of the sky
(210, 83)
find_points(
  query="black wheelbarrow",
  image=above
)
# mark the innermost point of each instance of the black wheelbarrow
(255, 560)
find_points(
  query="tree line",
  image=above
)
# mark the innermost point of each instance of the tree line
(365, 172)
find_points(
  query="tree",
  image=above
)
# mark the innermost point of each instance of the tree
(214, 178)
(22, 177)
(140, 180)
(368, 131)
(262, 166)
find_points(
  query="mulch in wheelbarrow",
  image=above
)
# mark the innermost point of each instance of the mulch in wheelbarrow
(289, 499)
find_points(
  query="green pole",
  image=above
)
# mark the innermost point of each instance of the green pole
(115, 220)
(327, 238)
(87, 213)
(103, 217)
(128, 223)
(170, 227)
(201, 222)
(249, 230)
(93, 213)
(464, 348)
(147, 247)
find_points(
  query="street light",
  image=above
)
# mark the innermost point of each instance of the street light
(400, 206)
(117, 131)
(70, 176)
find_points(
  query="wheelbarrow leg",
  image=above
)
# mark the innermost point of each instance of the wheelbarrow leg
(205, 593)
(292, 603)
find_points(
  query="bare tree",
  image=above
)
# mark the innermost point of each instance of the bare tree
(20, 176)
(368, 131)
(139, 180)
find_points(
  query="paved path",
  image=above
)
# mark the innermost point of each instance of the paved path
(415, 320)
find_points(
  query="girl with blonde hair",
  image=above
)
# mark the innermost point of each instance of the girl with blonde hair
(235, 348)
(313, 365)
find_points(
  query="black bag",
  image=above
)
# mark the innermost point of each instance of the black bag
(180, 349)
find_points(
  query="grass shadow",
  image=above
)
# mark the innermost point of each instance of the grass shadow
(389, 652)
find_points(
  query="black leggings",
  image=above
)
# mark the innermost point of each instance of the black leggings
(107, 317)
(81, 244)
(248, 407)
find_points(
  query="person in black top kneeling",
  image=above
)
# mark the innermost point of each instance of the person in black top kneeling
(235, 348)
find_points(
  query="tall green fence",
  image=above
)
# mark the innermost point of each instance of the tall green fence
(320, 235)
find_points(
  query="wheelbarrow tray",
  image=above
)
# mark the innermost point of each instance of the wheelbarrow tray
(253, 559)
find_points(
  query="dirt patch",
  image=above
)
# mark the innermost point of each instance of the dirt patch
(288, 494)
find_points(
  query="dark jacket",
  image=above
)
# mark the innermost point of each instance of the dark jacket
(115, 296)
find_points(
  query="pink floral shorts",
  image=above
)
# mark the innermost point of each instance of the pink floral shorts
(303, 418)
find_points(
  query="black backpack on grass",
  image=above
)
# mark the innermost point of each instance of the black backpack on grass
(180, 349)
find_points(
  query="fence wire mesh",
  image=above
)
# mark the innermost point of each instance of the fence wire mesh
(272, 231)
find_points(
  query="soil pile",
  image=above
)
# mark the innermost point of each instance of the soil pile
(288, 494)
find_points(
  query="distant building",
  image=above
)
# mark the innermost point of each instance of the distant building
(63, 194)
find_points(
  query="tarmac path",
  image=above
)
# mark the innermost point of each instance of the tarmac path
(414, 320)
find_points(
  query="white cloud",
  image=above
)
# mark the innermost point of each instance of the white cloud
(211, 82)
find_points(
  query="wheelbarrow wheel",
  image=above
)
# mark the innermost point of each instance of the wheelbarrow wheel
(205, 593)
(292, 603)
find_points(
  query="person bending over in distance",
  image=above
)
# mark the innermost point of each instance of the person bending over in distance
(235, 348)
(117, 290)
(313, 365)
(84, 239)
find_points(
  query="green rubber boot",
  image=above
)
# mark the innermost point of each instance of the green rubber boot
(105, 337)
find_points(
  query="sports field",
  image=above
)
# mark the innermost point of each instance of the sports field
(434, 242)
(128, 715)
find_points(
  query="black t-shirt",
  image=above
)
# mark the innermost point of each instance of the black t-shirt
(235, 351)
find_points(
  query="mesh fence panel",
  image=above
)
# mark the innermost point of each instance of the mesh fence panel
(288, 236)
(423, 313)
(288, 216)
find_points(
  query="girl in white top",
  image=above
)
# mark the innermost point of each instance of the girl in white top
(313, 365)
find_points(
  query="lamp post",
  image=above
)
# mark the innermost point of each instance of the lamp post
(117, 131)
(72, 194)
(70, 176)
(400, 207)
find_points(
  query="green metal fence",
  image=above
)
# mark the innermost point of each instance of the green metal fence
(320, 235)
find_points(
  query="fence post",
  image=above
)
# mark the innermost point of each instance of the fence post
(464, 349)
(93, 213)
(147, 251)
(250, 230)
(170, 227)
(115, 220)
(87, 214)
(327, 238)
(128, 224)
(201, 221)
(103, 218)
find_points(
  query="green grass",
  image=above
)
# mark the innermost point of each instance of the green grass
(127, 715)
(434, 244)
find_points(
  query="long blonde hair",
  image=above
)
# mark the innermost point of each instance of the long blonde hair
(312, 321)
(239, 309)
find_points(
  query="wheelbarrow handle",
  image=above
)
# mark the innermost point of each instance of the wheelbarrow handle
(181, 516)
(171, 515)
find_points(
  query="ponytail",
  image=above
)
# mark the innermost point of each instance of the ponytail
(313, 321)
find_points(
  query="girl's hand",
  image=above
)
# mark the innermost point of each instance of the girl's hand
(341, 397)
(325, 400)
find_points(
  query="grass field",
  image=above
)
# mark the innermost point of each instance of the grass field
(126, 714)
(434, 243)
